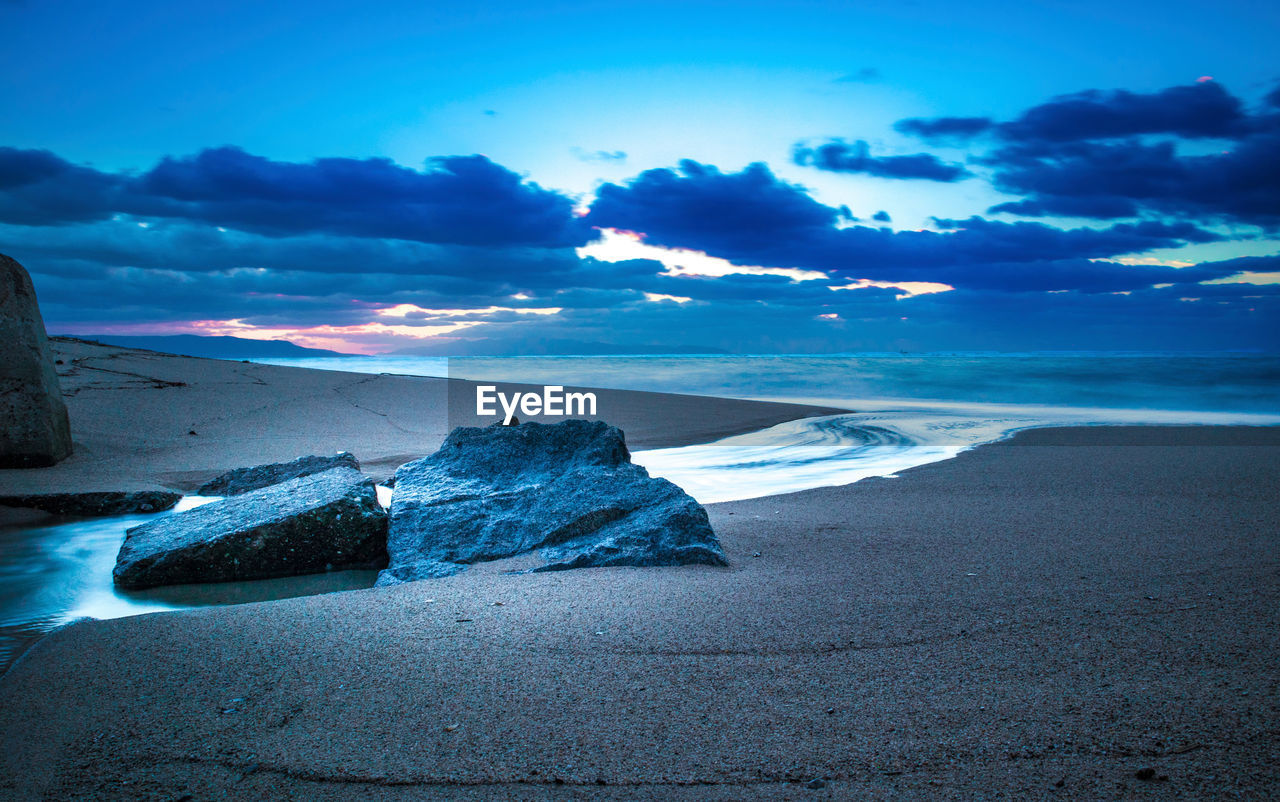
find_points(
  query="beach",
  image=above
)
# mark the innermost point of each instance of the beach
(1048, 615)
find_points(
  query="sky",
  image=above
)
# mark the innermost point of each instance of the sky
(581, 177)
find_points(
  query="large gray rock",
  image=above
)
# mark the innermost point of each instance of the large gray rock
(307, 525)
(243, 480)
(36, 432)
(568, 489)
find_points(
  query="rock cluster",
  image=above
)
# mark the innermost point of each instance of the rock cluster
(567, 491)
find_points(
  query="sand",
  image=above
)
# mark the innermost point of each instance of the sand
(1041, 617)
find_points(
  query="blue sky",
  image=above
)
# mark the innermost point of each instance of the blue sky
(571, 103)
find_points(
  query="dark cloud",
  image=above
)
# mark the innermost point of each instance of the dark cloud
(839, 156)
(1115, 154)
(1200, 110)
(882, 216)
(184, 248)
(1107, 180)
(1089, 204)
(697, 203)
(944, 128)
(39, 188)
(464, 200)
(753, 218)
(1196, 111)
(20, 167)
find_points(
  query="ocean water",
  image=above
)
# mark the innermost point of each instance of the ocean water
(60, 572)
(905, 411)
(1239, 383)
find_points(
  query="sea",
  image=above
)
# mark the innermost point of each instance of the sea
(904, 410)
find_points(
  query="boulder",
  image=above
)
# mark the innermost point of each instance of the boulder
(243, 480)
(36, 432)
(306, 525)
(568, 490)
(109, 502)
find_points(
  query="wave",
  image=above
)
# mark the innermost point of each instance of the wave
(886, 438)
(798, 455)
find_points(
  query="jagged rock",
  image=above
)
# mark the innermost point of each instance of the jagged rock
(568, 489)
(306, 525)
(115, 502)
(35, 431)
(243, 480)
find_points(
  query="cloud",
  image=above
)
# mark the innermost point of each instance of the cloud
(289, 272)
(40, 188)
(944, 128)
(754, 218)
(614, 156)
(1116, 154)
(463, 200)
(699, 207)
(1196, 111)
(838, 156)
(1124, 179)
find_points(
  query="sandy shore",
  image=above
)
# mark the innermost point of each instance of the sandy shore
(141, 419)
(1042, 617)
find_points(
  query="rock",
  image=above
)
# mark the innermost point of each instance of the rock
(305, 525)
(36, 431)
(815, 784)
(568, 489)
(115, 502)
(244, 480)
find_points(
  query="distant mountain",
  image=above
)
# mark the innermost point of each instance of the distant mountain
(549, 348)
(210, 347)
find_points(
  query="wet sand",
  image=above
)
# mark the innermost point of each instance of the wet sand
(1043, 617)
